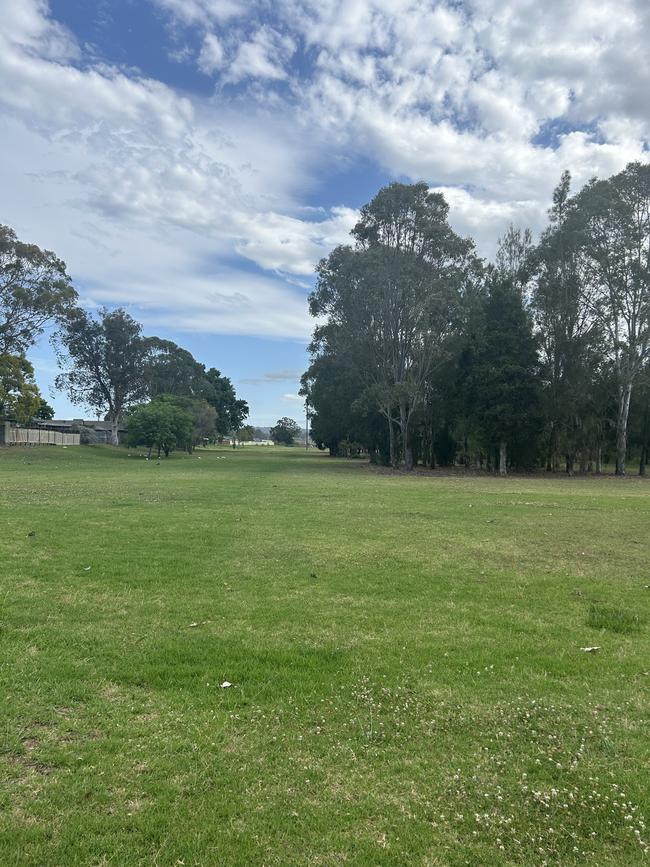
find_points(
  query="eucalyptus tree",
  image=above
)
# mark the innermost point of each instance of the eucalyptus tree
(35, 290)
(393, 295)
(615, 265)
(170, 369)
(568, 332)
(104, 362)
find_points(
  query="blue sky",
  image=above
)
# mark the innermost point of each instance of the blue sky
(193, 159)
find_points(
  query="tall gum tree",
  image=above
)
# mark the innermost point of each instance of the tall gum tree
(615, 254)
(35, 290)
(393, 295)
(105, 364)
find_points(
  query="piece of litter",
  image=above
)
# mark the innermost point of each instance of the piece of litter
(590, 649)
(192, 624)
(87, 568)
(225, 684)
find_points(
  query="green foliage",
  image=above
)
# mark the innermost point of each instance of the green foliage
(160, 424)
(246, 434)
(34, 291)
(44, 411)
(285, 431)
(105, 362)
(503, 389)
(20, 399)
(220, 393)
(170, 369)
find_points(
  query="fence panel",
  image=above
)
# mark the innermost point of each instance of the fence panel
(36, 436)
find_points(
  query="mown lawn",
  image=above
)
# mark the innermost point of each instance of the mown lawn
(408, 681)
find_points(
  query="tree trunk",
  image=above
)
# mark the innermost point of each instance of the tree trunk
(115, 436)
(599, 461)
(644, 446)
(407, 451)
(625, 393)
(569, 465)
(391, 441)
(550, 455)
(503, 467)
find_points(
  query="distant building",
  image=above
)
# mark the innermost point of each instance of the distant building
(93, 431)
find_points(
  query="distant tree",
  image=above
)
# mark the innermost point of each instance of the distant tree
(615, 259)
(231, 411)
(285, 431)
(170, 369)
(105, 363)
(568, 335)
(202, 414)
(246, 433)
(159, 424)
(20, 398)
(44, 411)
(34, 291)
(393, 297)
(503, 387)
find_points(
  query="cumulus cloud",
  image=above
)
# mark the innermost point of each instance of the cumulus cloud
(193, 207)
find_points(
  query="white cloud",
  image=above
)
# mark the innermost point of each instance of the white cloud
(203, 12)
(211, 56)
(261, 57)
(165, 199)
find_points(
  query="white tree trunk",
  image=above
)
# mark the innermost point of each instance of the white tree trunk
(625, 393)
(115, 437)
(503, 452)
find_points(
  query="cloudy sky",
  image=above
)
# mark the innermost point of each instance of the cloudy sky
(193, 159)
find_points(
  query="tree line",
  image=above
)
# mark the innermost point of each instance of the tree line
(168, 398)
(426, 353)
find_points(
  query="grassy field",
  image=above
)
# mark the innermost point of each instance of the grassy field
(408, 684)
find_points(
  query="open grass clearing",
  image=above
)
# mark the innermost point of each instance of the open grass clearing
(409, 684)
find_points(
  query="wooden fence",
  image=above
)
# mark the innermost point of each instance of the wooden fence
(30, 436)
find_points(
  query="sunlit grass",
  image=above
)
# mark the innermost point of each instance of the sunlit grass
(409, 684)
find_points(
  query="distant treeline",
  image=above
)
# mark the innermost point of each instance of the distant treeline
(426, 353)
(166, 397)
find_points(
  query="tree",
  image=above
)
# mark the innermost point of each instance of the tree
(285, 431)
(503, 387)
(34, 291)
(246, 434)
(20, 398)
(170, 369)
(615, 260)
(44, 411)
(231, 411)
(105, 362)
(203, 418)
(568, 333)
(159, 424)
(392, 297)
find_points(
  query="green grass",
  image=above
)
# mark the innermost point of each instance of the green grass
(409, 686)
(606, 617)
